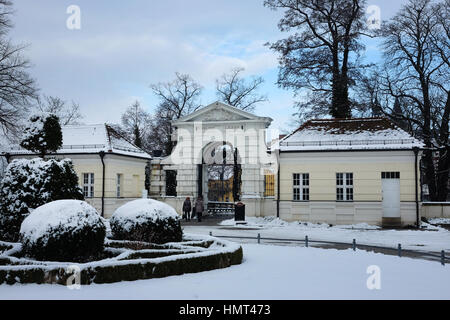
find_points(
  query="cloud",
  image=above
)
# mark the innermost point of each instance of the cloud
(124, 47)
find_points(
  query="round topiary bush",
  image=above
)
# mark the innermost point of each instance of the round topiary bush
(146, 220)
(64, 230)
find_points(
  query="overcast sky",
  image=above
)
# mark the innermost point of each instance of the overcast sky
(124, 46)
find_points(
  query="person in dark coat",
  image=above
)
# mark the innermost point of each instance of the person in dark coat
(199, 208)
(187, 207)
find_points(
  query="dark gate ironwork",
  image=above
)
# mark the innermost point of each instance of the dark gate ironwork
(222, 192)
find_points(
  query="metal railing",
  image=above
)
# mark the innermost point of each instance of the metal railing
(346, 143)
(399, 250)
(215, 208)
(82, 146)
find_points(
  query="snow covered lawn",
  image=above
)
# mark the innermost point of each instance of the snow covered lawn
(434, 239)
(274, 272)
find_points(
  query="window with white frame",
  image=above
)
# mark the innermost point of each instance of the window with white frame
(119, 185)
(301, 186)
(344, 186)
(88, 185)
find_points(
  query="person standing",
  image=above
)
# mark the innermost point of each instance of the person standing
(199, 208)
(187, 207)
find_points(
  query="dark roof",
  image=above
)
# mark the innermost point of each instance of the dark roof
(341, 126)
(346, 134)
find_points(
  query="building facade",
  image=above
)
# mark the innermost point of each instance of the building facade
(348, 172)
(111, 170)
(339, 172)
(213, 137)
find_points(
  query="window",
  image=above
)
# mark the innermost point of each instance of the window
(269, 185)
(88, 185)
(171, 183)
(390, 175)
(344, 186)
(301, 186)
(119, 185)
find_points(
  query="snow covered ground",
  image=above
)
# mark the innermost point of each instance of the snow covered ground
(440, 221)
(274, 272)
(433, 239)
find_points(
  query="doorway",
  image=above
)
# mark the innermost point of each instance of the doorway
(220, 178)
(391, 194)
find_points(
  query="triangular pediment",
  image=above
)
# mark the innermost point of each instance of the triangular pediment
(219, 112)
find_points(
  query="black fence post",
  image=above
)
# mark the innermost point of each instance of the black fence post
(354, 244)
(399, 250)
(306, 241)
(259, 238)
(443, 257)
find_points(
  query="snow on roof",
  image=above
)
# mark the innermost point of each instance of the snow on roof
(349, 134)
(94, 139)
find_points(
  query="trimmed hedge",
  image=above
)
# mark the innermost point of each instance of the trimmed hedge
(159, 231)
(146, 220)
(64, 230)
(132, 271)
(62, 245)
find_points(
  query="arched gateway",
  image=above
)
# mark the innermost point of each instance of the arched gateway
(221, 153)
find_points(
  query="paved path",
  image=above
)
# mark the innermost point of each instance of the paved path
(211, 225)
(207, 221)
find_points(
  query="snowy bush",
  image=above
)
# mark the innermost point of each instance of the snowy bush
(64, 230)
(42, 134)
(146, 220)
(28, 184)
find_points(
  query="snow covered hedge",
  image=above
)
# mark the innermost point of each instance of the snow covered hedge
(132, 261)
(42, 134)
(64, 230)
(28, 184)
(146, 220)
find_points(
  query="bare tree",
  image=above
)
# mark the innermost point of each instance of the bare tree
(177, 98)
(234, 90)
(68, 114)
(417, 74)
(17, 88)
(5, 12)
(161, 130)
(135, 123)
(180, 96)
(322, 55)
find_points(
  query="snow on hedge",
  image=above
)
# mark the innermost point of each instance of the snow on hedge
(28, 184)
(68, 215)
(35, 129)
(190, 248)
(32, 179)
(146, 220)
(141, 211)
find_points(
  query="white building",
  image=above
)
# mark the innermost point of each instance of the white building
(348, 172)
(111, 170)
(201, 138)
